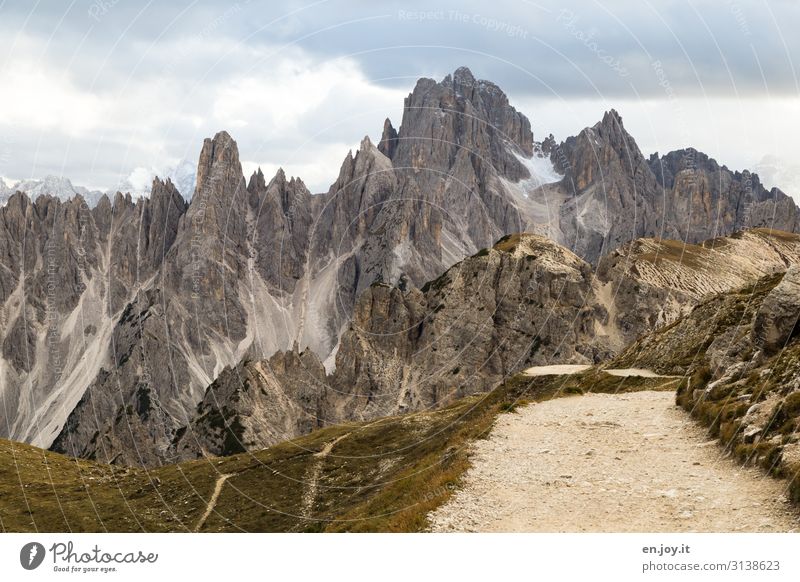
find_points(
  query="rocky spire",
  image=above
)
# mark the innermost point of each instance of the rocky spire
(388, 143)
(161, 217)
(220, 202)
(219, 159)
(256, 185)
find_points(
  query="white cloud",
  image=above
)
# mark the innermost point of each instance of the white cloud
(37, 97)
(775, 170)
(141, 178)
(277, 99)
(283, 107)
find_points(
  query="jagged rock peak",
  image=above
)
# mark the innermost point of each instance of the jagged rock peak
(463, 75)
(611, 127)
(610, 131)
(282, 183)
(160, 185)
(460, 113)
(611, 117)
(18, 202)
(122, 200)
(257, 181)
(296, 182)
(220, 152)
(388, 143)
(104, 203)
(366, 144)
(164, 192)
(481, 92)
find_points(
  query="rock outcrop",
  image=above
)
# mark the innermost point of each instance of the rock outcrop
(257, 404)
(523, 302)
(775, 324)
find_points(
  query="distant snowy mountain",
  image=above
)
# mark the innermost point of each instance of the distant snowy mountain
(57, 186)
(138, 183)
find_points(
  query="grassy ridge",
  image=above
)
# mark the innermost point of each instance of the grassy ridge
(377, 476)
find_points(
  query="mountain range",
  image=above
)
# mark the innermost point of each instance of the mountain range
(182, 175)
(448, 256)
(55, 186)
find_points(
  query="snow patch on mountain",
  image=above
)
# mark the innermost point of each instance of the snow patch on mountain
(540, 168)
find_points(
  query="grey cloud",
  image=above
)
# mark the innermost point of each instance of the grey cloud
(540, 49)
(502, 39)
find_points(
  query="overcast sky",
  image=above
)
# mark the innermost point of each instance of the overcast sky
(102, 90)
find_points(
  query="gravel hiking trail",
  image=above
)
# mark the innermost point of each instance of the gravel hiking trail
(212, 502)
(313, 474)
(631, 462)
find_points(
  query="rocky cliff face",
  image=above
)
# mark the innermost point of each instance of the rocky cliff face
(523, 302)
(428, 195)
(613, 194)
(134, 308)
(68, 271)
(200, 312)
(705, 199)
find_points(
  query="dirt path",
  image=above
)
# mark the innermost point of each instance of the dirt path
(569, 369)
(212, 503)
(312, 476)
(640, 372)
(602, 462)
(556, 370)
